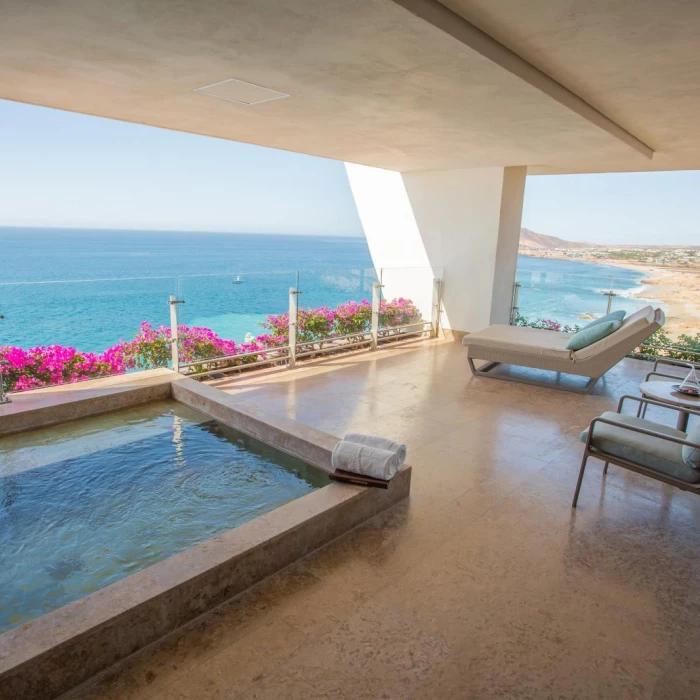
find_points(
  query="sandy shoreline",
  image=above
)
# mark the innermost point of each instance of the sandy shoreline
(678, 288)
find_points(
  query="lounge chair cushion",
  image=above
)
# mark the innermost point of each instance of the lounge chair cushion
(529, 341)
(592, 334)
(645, 450)
(634, 325)
(691, 455)
(613, 316)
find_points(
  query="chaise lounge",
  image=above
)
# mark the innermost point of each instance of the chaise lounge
(547, 350)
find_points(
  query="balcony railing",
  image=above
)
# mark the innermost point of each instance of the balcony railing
(56, 332)
(567, 302)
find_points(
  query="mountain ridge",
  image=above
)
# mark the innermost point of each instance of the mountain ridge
(530, 240)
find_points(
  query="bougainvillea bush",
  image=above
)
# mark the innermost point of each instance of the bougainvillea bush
(353, 317)
(546, 324)
(151, 347)
(55, 364)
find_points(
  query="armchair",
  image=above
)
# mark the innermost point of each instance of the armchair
(643, 446)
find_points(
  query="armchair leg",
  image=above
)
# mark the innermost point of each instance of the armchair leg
(580, 478)
(605, 468)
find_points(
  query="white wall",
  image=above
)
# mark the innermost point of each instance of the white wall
(393, 237)
(461, 225)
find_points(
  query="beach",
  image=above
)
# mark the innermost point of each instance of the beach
(679, 290)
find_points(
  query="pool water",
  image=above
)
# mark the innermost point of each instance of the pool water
(91, 502)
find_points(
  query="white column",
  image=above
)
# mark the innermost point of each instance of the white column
(462, 226)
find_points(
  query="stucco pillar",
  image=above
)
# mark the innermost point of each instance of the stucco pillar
(460, 225)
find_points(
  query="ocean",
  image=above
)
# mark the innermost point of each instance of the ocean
(572, 292)
(89, 289)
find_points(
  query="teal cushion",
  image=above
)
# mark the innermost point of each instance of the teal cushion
(592, 334)
(691, 455)
(651, 452)
(614, 316)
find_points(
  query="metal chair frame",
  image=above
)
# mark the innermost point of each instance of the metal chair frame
(590, 451)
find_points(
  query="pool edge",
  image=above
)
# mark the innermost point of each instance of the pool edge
(56, 652)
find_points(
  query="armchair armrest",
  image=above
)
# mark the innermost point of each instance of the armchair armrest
(653, 402)
(664, 376)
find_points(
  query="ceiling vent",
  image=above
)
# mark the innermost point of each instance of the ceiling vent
(242, 93)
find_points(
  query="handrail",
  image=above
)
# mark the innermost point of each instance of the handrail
(661, 374)
(225, 358)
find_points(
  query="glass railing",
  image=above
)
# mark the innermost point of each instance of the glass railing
(409, 301)
(334, 311)
(557, 301)
(67, 331)
(571, 300)
(224, 320)
(55, 332)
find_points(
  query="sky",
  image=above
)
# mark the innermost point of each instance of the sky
(71, 170)
(616, 208)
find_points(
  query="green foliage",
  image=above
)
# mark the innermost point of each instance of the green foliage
(660, 344)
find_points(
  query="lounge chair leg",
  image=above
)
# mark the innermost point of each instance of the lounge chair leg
(605, 468)
(580, 479)
(590, 384)
(471, 365)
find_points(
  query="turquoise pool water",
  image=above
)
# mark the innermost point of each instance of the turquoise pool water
(91, 502)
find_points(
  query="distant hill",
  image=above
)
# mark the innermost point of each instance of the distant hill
(530, 240)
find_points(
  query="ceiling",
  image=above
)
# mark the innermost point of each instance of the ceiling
(370, 81)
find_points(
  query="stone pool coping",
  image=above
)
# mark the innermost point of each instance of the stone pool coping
(57, 651)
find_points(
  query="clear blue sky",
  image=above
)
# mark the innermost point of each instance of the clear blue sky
(624, 208)
(64, 169)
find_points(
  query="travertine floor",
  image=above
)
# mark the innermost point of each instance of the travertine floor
(485, 585)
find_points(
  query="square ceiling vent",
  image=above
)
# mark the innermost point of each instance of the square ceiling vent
(242, 93)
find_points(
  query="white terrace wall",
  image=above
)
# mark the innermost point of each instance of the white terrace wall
(460, 225)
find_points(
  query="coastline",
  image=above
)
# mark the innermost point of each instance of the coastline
(677, 288)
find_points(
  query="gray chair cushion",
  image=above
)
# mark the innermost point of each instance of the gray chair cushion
(645, 450)
(691, 455)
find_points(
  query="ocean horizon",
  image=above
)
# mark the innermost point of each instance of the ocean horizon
(91, 288)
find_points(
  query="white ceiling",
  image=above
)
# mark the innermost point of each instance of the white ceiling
(370, 82)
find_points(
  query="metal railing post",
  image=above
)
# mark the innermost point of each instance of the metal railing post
(610, 296)
(293, 308)
(376, 303)
(4, 398)
(437, 307)
(514, 311)
(174, 349)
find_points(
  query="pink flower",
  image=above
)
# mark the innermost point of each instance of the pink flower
(23, 369)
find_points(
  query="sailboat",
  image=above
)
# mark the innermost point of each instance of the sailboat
(238, 280)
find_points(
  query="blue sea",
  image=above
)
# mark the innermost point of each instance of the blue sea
(574, 292)
(91, 288)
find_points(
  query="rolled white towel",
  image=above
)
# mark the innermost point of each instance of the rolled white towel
(380, 443)
(365, 459)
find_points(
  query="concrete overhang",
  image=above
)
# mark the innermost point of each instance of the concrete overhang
(405, 85)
